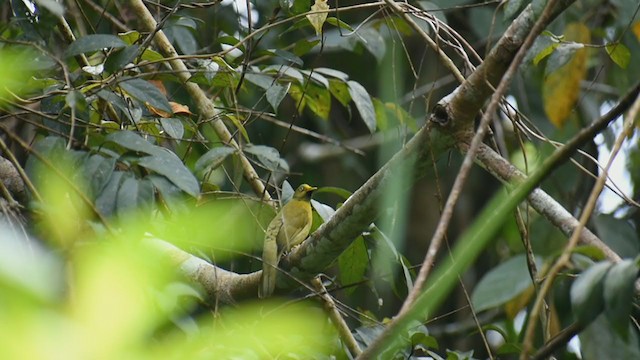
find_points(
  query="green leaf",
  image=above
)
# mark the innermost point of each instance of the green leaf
(619, 234)
(599, 341)
(619, 53)
(338, 23)
(106, 201)
(333, 73)
(261, 80)
(92, 43)
(268, 156)
(173, 127)
(168, 164)
(502, 283)
(213, 158)
(381, 114)
(587, 299)
(132, 141)
(340, 91)
(364, 104)
(120, 58)
(618, 295)
(345, 194)
(276, 93)
(98, 170)
(302, 47)
(146, 93)
(134, 195)
(317, 77)
(544, 53)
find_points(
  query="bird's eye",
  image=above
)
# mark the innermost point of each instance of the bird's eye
(300, 188)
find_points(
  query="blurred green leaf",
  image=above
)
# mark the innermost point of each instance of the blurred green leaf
(587, 299)
(619, 286)
(619, 53)
(502, 283)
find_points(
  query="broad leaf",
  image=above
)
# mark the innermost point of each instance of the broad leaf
(213, 158)
(146, 93)
(92, 43)
(502, 283)
(587, 299)
(166, 163)
(618, 294)
(364, 104)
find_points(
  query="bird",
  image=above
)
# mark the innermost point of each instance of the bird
(288, 229)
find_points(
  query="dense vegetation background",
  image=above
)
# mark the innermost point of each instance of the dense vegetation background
(469, 204)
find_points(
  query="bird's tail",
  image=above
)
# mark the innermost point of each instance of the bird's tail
(269, 267)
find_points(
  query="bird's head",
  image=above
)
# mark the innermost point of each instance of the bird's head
(304, 192)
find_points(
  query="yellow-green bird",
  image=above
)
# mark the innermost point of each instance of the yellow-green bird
(288, 229)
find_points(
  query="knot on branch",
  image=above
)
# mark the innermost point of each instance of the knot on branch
(440, 115)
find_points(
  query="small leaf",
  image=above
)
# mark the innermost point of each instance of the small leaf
(213, 158)
(587, 299)
(618, 295)
(317, 20)
(268, 156)
(325, 211)
(168, 164)
(92, 43)
(276, 93)
(544, 53)
(173, 127)
(619, 53)
(364, 104)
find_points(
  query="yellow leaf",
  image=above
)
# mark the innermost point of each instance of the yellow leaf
(317, 20)
(561, 88)
(636, 29)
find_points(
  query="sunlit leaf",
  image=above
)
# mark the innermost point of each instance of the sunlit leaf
(317, 20)
(619, 53)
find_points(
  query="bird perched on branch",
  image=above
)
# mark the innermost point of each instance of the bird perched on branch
(288, 229)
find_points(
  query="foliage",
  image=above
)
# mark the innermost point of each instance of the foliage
(101, 123)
